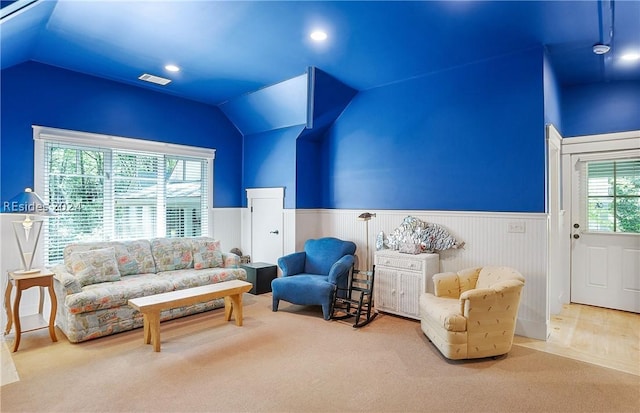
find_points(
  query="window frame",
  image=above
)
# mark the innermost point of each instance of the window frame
(613, 195)
(42, 134)
(580, 162)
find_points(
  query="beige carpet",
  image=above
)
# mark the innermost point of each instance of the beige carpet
(294, 361)
(8, 372)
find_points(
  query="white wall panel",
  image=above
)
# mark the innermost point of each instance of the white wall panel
(487, 242)
(226, 227)
(486, 236)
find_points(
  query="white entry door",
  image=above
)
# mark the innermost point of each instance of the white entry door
(605, 256)
(266, 209)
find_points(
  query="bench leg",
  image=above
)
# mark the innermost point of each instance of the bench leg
(228, 308)
(152, 332)
(236, 301)
(147, 331)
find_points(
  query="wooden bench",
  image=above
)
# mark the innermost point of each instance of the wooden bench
(152, 305)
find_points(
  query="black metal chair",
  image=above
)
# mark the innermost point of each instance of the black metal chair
(356, 300)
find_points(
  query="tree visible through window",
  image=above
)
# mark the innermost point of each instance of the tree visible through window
(106, 194)
(613, 196)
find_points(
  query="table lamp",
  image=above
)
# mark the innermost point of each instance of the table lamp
(27, 231)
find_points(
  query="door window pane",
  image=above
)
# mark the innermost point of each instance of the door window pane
(613, 196)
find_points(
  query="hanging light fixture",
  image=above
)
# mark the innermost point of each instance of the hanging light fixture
(27, 231)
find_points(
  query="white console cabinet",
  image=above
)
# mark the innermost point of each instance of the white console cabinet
(400, 279)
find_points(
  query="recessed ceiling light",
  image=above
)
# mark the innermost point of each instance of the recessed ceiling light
(630, 56)
(172, 68)
(318, 35)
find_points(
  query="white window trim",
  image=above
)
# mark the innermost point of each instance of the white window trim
(608, 142)
(44, 133)
(117, 142)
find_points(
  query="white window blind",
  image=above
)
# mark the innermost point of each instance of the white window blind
(103, 194)
(612, 195)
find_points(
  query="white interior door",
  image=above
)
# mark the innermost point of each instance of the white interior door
(266, 208)
(558, 260)
(605, 251)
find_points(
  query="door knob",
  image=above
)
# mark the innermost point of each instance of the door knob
(576, 226)
(576, 236)
(274, 232)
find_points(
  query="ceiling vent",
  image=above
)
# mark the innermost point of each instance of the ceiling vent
(154, 79)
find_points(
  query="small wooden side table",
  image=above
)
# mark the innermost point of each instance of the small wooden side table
(42, 279)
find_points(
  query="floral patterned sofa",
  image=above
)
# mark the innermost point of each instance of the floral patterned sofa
(97, 279)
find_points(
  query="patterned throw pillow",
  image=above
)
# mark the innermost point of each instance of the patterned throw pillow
(95, 266)
(206, 254)
(172, 254)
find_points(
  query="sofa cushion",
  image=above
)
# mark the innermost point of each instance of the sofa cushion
(95, 266)
(133, 257)
(136, 258)
(172, 253)
(81, 247)
(322, 253)
(230, 260)
(445, 311)
(181, 279)
(115, 294)
(206, 254)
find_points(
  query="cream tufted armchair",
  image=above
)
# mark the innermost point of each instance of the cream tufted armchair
(472, 313)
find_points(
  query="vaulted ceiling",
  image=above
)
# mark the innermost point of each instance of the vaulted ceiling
(227, 48)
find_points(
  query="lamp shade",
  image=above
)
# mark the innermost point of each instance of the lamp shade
(366, 216)
(27, 231)
(27, 203)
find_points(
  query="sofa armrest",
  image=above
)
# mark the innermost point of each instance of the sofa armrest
(446, 284)
(507, 285)
(474, 303)
(292, 264)
(70, 284)
(230, 260)
(340, 269)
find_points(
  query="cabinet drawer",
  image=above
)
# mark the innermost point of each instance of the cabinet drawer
(404, 263)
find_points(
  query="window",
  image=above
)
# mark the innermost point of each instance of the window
(114, 192)
(613, 196)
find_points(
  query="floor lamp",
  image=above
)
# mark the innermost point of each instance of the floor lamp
(27, 231)
(366, 216)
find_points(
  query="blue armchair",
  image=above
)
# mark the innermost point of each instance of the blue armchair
(311, 277)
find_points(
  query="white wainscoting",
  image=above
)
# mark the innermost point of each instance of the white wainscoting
(486, 237)
(487, 242)
(225, 226)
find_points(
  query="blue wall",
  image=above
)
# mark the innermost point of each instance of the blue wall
(279, 151)
(600, 108)
(270, 161)
(38, 94)
(552, 99)
(309, 174)
(277, 106)
(469, 138)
